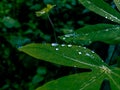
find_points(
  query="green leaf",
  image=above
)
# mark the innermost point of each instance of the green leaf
(106, 33)
(114, 78)
(82, 81)
(117, 2)
(75, 56)
(17, 40)
(10, 22)
(68, 55)
(44, 10)
(86, 81)
(102, 8)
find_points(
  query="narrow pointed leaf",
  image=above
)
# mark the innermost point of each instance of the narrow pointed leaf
(117, 2)
(102, 8)
(106, 33)
(67, 55)
(82, 81)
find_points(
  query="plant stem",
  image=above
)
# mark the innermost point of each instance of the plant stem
(53, 28)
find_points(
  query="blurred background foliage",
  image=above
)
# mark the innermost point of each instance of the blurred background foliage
(19, 26)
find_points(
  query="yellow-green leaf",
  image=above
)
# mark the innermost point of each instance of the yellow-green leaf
(44, 10)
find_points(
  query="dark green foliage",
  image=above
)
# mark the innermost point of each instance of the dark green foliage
(81, 57)
(19, 26)
(74, 56)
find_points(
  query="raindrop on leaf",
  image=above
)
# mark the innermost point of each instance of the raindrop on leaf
(69, 45)
(57, 49)
(87, 54)
(62, 45)
(54, 44)
(79, 52)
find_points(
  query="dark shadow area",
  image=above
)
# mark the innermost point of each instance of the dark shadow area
(105, 85)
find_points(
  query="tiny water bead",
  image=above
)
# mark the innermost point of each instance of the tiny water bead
(106, 17)
(69, 45)
(87, 54)
(79, 52)
(79, 46)
(62, 45)
(54, 44)
(107, 30)
(92, 51)
(89, 41)
(56, 49)
(75, 66)
(69, 35)
(84, 47)
(63, 38)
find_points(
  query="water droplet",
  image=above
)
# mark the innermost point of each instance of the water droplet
(87, 54)
(69, 35)
(117, 28)
(75, 66)
(89, 42)
(63, 38)
(106, 17)
(62, 45)
(79, 46)
(88, 2)
(107, 30)
(54, 44)
(79, 52)
(56, 49)
(86, 34)
(92, 51)
(69, 45)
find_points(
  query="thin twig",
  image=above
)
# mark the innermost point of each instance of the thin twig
(53, 28)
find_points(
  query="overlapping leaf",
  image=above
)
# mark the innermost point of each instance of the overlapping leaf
(83, 81)
(68, 55)
(117, 2)
(86, 81)
(102, 8)
(74, 56)
(106, 33)
(114, 78)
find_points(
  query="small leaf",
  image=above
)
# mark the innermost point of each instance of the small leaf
(102, 8)
(10, 22)
(106, 33)
(44, 10)
(68, 55)
(117, 2)
(16, 40)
